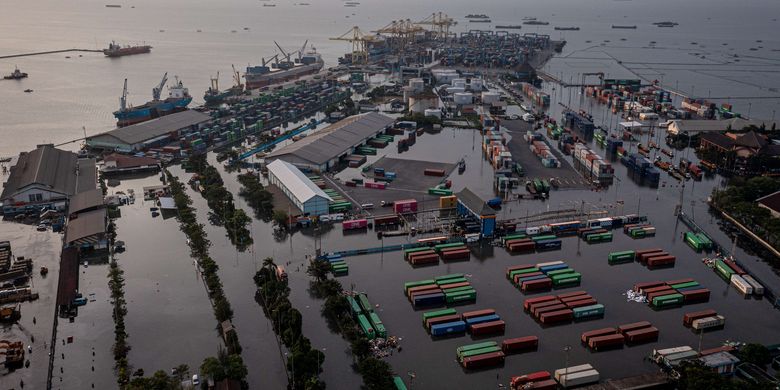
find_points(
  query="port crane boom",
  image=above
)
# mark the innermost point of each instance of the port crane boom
(123, 98)
(359, 41)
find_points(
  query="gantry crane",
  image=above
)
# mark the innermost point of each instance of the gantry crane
(440, 24)
(402, 31)
(359, 41)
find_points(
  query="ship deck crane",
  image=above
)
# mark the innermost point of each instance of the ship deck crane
(156, 91)
(215, 83)
(359, 41)
(123, 99)
(237, 79)
(286, 63)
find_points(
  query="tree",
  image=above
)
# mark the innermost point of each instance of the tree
(213, 368)
(182, 372)
(281, 218)
(755, 353)
(376, 374)
(318, 269)
(235, 368)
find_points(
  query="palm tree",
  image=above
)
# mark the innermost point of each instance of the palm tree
(268, 263)
(318, 269)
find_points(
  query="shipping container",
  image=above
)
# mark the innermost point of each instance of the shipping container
(697, 295)
(585, 336)
(688, 318)
(528, 303)
(708, 322)
(643, 335)
(486, 328)
(399, 383)
(741, 285)
(365, 325)
(471, 347)
(428, 300)
(441, 320)
(620, 257)
(536, 285)
(520, 344)
(485, 360)
(477, 313)
(570, 370)
(580, 303)
(661, 261)
(355, 224)
(463, 354)
(596, 310)
(758, 289)
(579, 378)
(447, 329)
(598, 343)
(556, 316)
(667, 300)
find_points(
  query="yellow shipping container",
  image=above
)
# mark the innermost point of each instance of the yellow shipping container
(448, 202)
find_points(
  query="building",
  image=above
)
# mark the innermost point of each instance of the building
(692, 126)
(326, 148)
(150, 134)
(723, 363)
(87, 231)
(86, 201)
(302, 192)
(771, 202)
(117, 164)
(46, 178)
(68, 282)
(743, 146)
(470, 205)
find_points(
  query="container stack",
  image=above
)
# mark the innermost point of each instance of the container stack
(356, 160)
(577, 375)
(453, 251)
(480, 355)
(483, 322)
(540, 380)
(632, 334)
(520, 344)
(673, 293)
(641, 167)
(538, 97)
(339, 204)
(546, 242)
(639, 230)
(595, 167)
(621, 257)
(449, 289)
(543, 276)
(554, 309)
(698, 241)
(421, 256)
(337, 265)
(704, 320)
(442, 323)
(655, 258)
(367, 319)
(518, 243)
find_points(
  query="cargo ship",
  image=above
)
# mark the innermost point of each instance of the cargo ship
(536, 23)
(666, 24)
(275, 72)
(477, 16)
(16, 75)
(116, 50)
(617, 26)
(567, 28)
(177, 100)
(510, 26)
(214, 96)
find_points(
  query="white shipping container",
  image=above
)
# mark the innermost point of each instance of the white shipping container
(741, 285)
(568, 371)
(549, 263)
(708, 322)
(579, 378)
(758, 289)
(669, 351)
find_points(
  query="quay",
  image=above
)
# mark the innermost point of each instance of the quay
(39, 53)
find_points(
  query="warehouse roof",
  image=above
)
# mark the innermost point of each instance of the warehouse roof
(336, 139)
(86, 200)
(69, 276)
(475, 203)
(300, 186)
(699, 125)
(52, 168)
(85, 226)
(771, 201)
(143, 131)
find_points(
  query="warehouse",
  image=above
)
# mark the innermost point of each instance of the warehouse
(470, 205)
(301, 191)
(153, 133)
(323, 150)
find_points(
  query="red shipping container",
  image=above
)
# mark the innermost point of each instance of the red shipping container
(650, 290)
(421, 253)
(430, 287)
(574, 298)
(405, 206)
(581, 303)
(541, 305)
(519, 344)
(517, 267)
(425, 259)
(556, 316)
(456, 255)
(688, 318)
(518, 278)
(539, 310)
(596, 332)
(484, 360)
(487, 328)
(700, 295)
(652, 295)
(522, 247)
(644, 335)
(737, 269)
(547, 384)
(477, 313)
(354, 224)
(571, 294)
(528, 378)
(434, 172)
(633, 326)
(536, 285)
(454, 285)
(678, 281)
(441, 320)
(423, 292)
(531, 301)
(640, 286)
(608, 341)
(725, 348)
(660, 261)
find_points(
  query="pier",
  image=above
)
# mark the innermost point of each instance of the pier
(40, 53)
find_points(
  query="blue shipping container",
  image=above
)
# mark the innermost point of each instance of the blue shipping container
(448, 328)
(479, 320)
(429, 299)
(548, 268)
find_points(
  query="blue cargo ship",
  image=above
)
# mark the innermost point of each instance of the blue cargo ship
(177, 100)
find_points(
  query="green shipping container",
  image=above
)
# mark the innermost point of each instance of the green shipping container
(684, 285)
(353, 305)
(475, 352)
(560, 272)
(409, 285)
(704, 240)
(667, 300)
(619, 257)
(543, 238)
(364, 303)
(379, 327)
(451, 281)
(450, 276)
(438, 313)
(365, 325)
(512, 274)
(723, 270)
(457, 289)
(439, 247)
(513, 237)
(472, 347)
(399, 383)
(588, 311)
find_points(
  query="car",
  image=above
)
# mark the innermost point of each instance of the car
(195, 379)
(528, 118)
(513, 117)
(42, 228)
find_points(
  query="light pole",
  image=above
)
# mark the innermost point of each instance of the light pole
(566, 350)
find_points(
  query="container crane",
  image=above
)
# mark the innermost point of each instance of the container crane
(215, 83)
(402, 32)
(156, 91)
(123, 99)
(359, 41)
(440, 23)
(237, 79)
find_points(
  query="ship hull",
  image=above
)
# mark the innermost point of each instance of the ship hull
(254, 81)
(127, 51)
(150, 110)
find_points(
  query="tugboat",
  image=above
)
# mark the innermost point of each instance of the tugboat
(213, 95)
(16, 75)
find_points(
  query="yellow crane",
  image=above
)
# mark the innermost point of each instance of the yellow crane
(440, 24)
(402, 32)
(359, 41)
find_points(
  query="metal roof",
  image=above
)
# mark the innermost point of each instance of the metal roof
(474, 203)
(336, 139)
(69, 276)
(86, 200)
(52, 168)
(86, 225)
(771, 201)
(143, 131)
(300, 186)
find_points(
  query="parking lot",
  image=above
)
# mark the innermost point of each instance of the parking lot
(565, 175)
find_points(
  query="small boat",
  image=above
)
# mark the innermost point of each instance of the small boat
(28, 90)
(113, 6)
(155, 214)
(617, 26)
(44, 271)
(567, 28)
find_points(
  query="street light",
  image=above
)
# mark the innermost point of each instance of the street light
(566, 350)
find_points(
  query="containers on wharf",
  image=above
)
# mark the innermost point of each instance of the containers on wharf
(448, 328)
(741, 285)
(576, 375)
(486, 328)
(322, 150)
(302, 192)
(596, 333)
(688, 318)
(520, 344)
